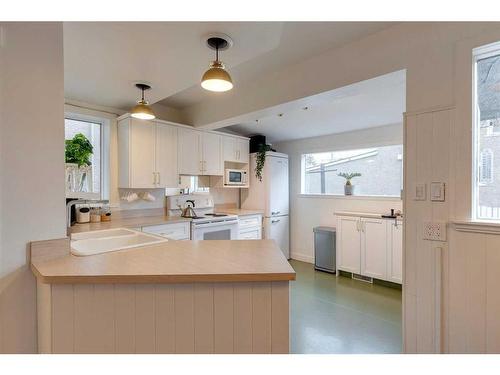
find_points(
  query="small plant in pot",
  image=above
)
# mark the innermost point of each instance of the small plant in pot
(78, 153)
(349, 187)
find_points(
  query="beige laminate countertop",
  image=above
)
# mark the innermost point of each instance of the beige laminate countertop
(141, 218)
(170, 262)
(371, 215)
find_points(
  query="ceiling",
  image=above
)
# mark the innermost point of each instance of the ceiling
(103, 60)
(371, 103)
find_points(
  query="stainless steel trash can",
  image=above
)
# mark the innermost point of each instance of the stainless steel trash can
(324, 249)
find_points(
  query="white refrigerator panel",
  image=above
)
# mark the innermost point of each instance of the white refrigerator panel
(277, 229)
(270, 194)
(276, 169)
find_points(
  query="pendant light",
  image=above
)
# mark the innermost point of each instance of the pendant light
(216, 78)
(142, 110)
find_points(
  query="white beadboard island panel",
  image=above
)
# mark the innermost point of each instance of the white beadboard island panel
(240, 317)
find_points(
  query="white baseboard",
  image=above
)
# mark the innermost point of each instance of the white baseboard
(302, 257)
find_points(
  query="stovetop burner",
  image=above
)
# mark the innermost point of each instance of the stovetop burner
(216, 215)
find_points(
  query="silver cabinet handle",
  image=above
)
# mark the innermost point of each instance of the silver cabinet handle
(154, 178)
(159, 178)
(275, 221)
(275, 212)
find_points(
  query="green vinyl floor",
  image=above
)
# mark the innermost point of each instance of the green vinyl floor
(338, 315)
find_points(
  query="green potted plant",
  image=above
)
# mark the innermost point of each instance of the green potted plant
(78, 154)
(349, 187)
(260, 160)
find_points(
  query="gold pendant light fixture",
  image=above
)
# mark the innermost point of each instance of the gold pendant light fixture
(216, 78)
(142, 110)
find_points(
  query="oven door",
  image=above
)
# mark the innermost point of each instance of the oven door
(222, 230)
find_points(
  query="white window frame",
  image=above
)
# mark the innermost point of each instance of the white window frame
(303, 194)
(104, 192)
(478, 53)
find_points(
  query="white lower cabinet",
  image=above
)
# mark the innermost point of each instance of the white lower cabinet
(373, 247)
(370, 247)
(348, 244)
(395, 254)
(250, 227)
(175, 231)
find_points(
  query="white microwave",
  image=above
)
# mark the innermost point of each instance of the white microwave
(236, 177)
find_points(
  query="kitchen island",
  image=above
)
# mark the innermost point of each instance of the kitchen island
(173, 297)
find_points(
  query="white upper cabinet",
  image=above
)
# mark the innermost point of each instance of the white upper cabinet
(136, 154)
(243, 150)
(147, 154)
(212, 164)
(235, 149)
(199, 153)
(166, 155)
(189, 152)
(152, 154)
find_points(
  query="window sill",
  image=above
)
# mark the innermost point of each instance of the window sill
(477, 226)
(351, 197)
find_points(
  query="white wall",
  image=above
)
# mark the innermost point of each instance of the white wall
(32, 167)
(307, 212)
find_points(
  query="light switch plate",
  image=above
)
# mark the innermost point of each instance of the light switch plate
(437, 191)
(434, 231)
(420, 192)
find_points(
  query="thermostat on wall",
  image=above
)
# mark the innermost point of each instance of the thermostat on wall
(420, 192)
(437, 191)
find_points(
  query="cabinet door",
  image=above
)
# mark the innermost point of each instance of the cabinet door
(142, 154)
(243, 150)
(374, 248)
(229, 152)
(166, 156)
(189, 152)
(277, 229)
(212, 161)
(276, 176)
(348, 244)
(395, 253)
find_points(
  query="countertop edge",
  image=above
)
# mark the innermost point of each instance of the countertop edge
(161, 279)
(371, 215)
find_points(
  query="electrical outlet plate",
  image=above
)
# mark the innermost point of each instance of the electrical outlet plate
(434, 231)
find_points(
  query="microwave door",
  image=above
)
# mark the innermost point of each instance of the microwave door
(235, 177)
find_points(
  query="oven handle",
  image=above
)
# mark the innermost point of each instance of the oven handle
(217, 224)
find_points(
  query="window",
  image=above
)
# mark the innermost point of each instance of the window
(89, 186)
(381, 171)
(486, 189)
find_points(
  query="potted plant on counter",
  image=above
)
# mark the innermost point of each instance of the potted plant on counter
(78, 153)
(349, 187)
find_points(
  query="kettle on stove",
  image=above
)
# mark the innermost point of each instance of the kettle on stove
(188, 211)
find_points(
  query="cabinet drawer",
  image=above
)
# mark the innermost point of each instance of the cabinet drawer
(177, 231)
(254, 234)
(250, 221)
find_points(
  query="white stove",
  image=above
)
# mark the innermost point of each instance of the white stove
(208, 224)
